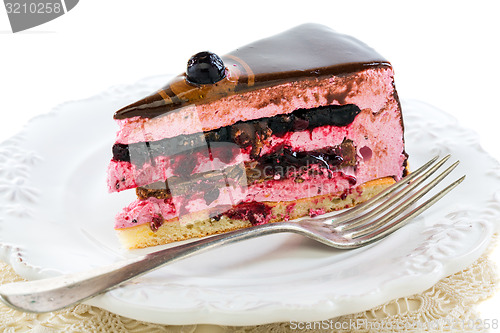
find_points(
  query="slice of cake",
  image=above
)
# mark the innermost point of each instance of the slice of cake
(301, 123)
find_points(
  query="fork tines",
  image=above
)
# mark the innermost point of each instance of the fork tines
(381, 215)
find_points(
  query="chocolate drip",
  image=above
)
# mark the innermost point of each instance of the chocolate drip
(244, 134)
(308, 51)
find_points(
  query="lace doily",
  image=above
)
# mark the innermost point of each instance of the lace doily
(450, 302)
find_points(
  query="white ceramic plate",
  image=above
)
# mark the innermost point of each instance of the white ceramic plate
(57, 217)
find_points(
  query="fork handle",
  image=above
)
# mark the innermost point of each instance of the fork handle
(62, 291)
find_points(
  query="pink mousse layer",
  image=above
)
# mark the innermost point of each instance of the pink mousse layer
(368, 89)
(380, 154)
(144, 211)
(363, 131)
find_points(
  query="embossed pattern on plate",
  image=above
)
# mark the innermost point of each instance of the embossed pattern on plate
(57, 217)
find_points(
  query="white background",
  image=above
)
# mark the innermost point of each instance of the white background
(444, 52)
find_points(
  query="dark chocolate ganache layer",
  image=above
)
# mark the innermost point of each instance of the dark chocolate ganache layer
(244, 134)
(308, 51)
(282, 164)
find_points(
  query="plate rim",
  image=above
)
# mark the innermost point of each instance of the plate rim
(13, 254)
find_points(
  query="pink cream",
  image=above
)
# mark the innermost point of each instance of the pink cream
(386, 160)
(142, 211)
(369, 89)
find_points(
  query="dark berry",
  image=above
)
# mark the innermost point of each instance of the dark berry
(254, 212)
(300, 124)
(205, 68)
(280, 125)
(344, 195)
(121, 152)
(156, 222)
(351, 179)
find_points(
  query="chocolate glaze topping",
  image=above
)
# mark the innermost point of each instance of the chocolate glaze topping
(305, 52)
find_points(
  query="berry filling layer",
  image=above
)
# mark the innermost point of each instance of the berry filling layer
(282, 164)
(230, 197)
(244, 134)
(382, 152)
(336, 160)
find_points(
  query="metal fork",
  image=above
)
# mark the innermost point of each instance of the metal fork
(356, 227)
